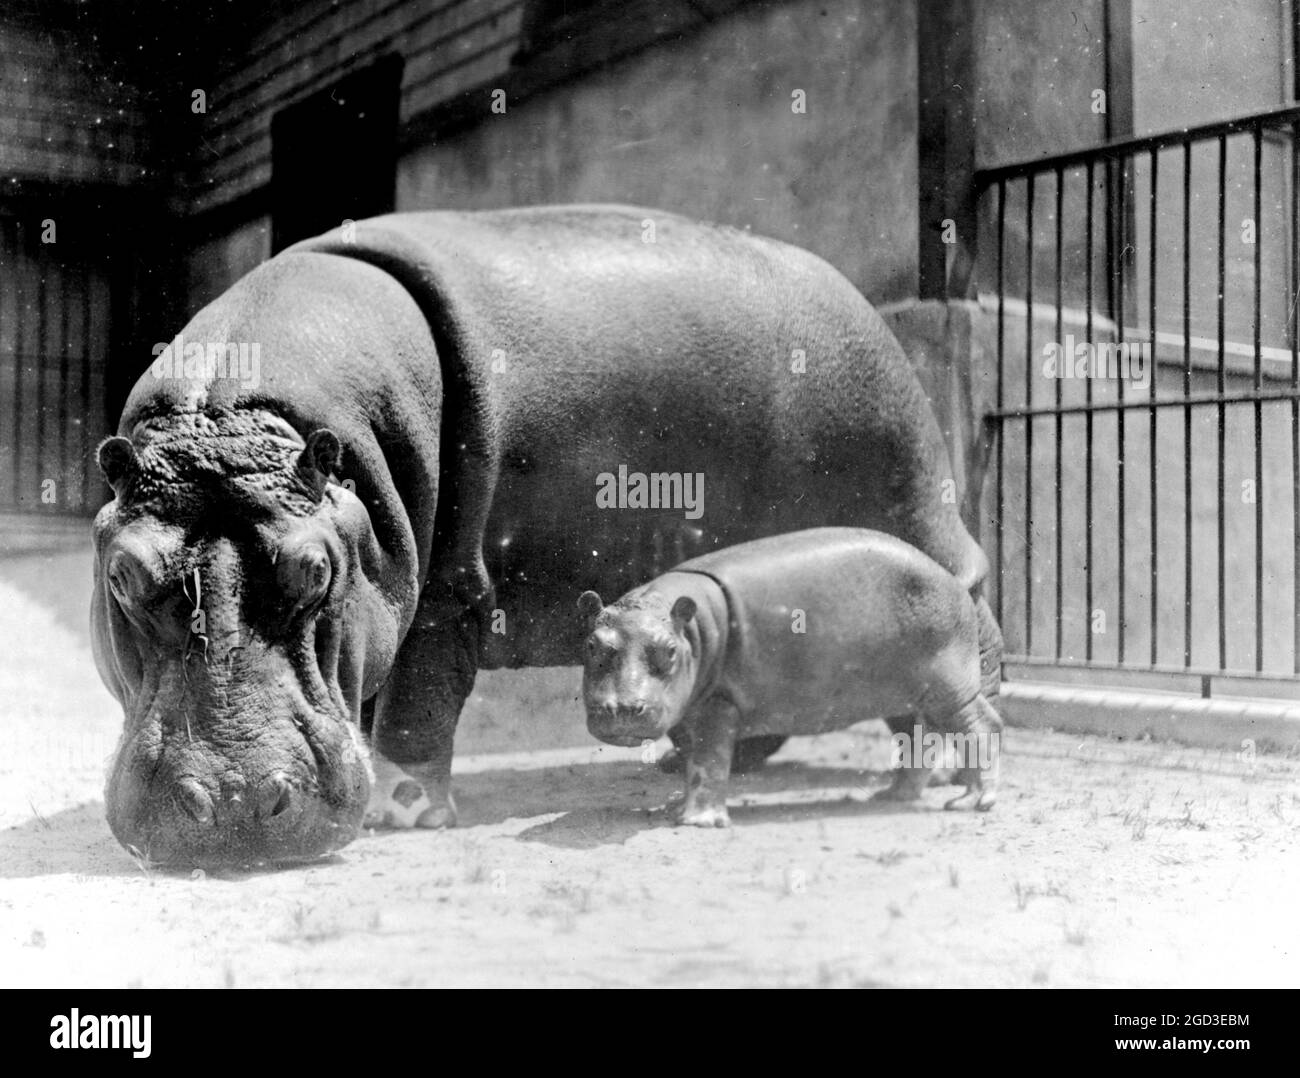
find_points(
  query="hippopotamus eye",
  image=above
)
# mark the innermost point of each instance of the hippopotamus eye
(662, 657)
(304, 572)
(124, 578)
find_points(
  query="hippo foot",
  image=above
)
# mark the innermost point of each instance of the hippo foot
(711, 815)
(402, 798)
(974, 798)
(907, 785)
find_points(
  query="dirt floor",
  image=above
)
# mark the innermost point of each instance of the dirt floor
(1105, 864)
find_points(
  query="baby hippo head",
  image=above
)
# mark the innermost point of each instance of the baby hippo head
(638, 665)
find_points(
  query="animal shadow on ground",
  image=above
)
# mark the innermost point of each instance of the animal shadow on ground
(591, 805)
(77, 842)
(621, 800)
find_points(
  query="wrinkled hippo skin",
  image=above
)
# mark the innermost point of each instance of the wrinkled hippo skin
(792, 634)
(408, 495)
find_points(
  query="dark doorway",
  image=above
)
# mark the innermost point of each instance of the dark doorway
(334, 155)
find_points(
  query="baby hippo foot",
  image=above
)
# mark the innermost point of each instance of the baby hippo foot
(700, 814)
(978, 796)
(907, 785)
(408, 796)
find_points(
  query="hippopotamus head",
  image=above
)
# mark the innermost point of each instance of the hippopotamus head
(238, 618)
(639, 665)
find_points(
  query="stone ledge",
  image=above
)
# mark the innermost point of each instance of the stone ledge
(37, 533)
(1218, 722)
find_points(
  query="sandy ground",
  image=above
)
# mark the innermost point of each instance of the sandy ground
(1105, 864)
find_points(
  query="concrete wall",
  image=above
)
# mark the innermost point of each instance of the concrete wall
(705, 128)
(702, 126)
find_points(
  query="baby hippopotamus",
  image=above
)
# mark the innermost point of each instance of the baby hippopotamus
(792, 634)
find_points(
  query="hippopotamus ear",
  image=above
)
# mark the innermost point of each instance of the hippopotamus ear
(589, 605)
(319, 458)
(683, 610)
(116, 457)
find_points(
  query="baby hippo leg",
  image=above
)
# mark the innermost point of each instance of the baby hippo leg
(909, 781)
(983, 729)
(750, 753)
(708, 765)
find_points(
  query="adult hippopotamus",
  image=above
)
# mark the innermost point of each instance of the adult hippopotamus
(454, 418)
(792, 634)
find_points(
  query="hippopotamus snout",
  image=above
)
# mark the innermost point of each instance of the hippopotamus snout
(187, 819)
(627, 721)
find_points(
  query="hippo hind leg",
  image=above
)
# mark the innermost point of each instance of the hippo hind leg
(980, 728)
(908, 782)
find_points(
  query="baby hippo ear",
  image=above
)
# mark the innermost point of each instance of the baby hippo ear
(319, 458)
(683, 610)
(116, 457)
(589, 605)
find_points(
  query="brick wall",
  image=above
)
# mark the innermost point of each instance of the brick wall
(447, 47)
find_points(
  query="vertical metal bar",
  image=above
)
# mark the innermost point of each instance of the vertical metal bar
(1295, 388)
(1295, 384)
(20, 343)
(40, 361)
(1060, 549)
(1151, 415)
(1029, 422)
(5, 273)
(1187, 408)
(1087, 420)
(87, 304)
(1001, 431)
(1295, 58)
(1259, 418)
(1121, 415)
(65, 472)
(1222, 386)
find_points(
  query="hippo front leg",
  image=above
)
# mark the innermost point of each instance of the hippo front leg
(983, 727)
(415, 724)
(708, 764)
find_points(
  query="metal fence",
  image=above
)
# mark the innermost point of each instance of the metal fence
(54, 341)
(1146, 498)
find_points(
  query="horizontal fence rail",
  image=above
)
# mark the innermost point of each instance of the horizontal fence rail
(1146, 499)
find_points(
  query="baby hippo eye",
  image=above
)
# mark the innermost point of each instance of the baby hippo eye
(662, 657)
(304, 572)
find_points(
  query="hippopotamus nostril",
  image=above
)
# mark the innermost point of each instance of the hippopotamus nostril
(274, 797)
(635, 710)
(194, 799)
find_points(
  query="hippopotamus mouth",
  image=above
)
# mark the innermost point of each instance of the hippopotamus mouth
(294, 791)
(626, 726)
